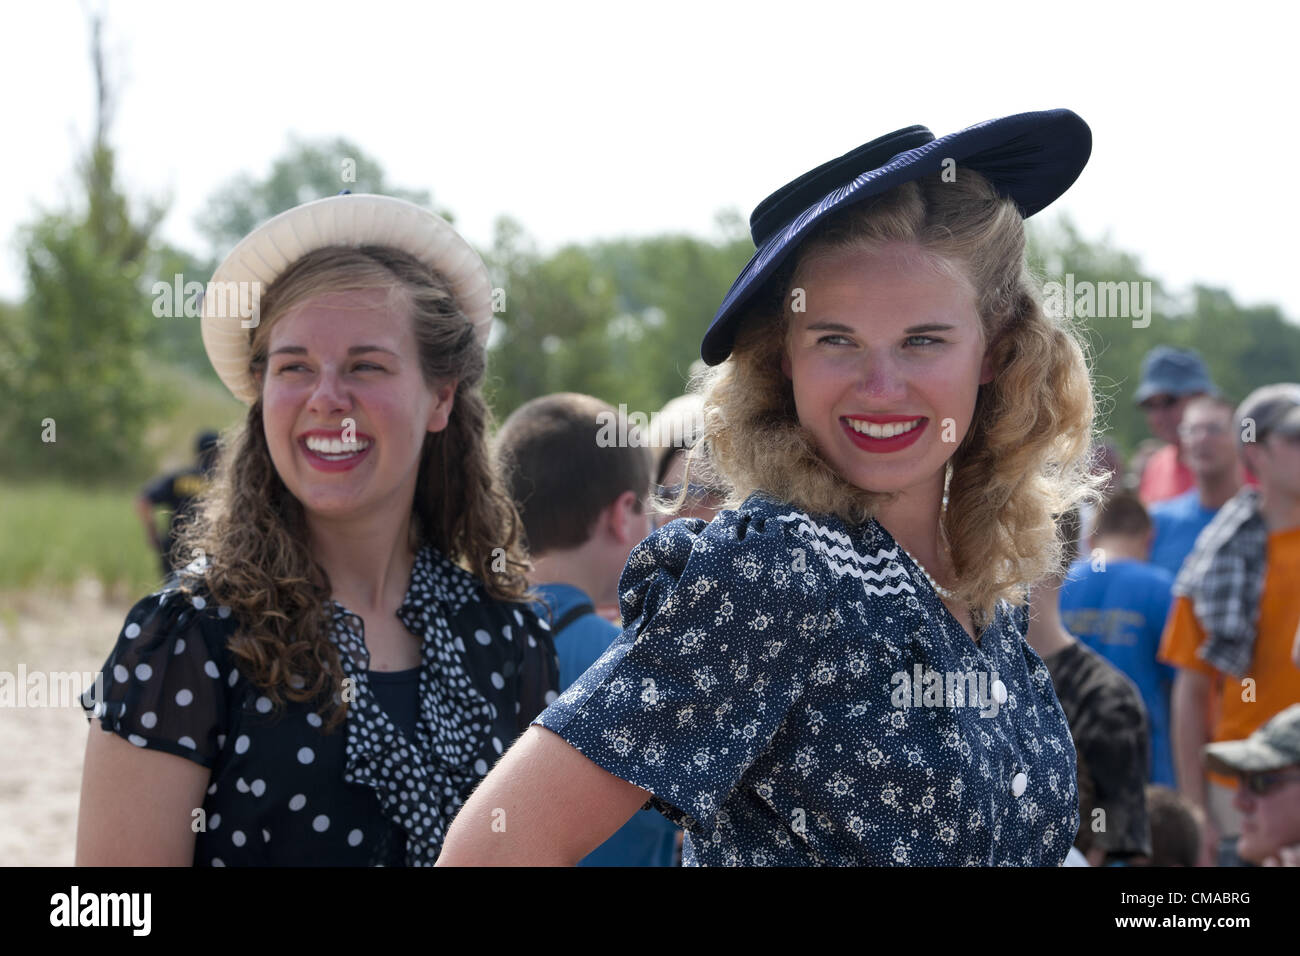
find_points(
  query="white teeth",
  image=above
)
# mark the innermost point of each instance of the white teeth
(882, 431)
(332, 446)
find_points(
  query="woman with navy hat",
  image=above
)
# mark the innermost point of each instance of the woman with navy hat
(351, 648)
(834, 670)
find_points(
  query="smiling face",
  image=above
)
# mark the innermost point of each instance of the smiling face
(339, 356)
(886, 360)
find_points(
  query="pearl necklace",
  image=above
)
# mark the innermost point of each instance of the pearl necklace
(939, 589)
(942, 591)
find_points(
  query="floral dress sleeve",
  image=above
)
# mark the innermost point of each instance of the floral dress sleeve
(719, 620)
(164, 684)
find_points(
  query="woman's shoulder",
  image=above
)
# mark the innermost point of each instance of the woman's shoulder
(759, 526)
(165, 681)
(754, 551)
(178, 628)
(178, 612)
(820, 548)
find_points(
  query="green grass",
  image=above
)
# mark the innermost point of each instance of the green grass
(54, 533)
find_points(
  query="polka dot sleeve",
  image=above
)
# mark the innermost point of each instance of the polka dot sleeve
(165, 682)
(720, 620)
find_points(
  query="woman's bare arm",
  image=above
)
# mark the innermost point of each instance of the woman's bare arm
(137, 805)
(543, 804)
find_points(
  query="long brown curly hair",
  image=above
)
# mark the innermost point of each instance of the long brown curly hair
(253, 531)
(1024, 459)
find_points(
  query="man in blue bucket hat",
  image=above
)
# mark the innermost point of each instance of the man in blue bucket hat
(1171, 378)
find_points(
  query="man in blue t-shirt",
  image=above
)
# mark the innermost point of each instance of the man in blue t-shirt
(1210, 449)
(1116, 604)
(582, 497)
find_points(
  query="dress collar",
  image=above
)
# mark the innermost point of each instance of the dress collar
(455, 719)
(438, 586)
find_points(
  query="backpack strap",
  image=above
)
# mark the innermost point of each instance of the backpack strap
(571, 615)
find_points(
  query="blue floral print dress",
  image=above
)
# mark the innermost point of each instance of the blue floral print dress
(791, 691)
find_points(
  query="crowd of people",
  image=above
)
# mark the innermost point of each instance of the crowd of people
(868, 594)
(1187, 587)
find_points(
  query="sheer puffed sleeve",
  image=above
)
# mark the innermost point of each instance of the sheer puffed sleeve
(164, 684)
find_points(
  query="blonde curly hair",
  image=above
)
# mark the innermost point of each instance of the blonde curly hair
(253, 530)
(1025, 458)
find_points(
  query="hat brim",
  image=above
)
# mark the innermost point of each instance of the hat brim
(1031, 158)
(347, 220)
(1149, 389)
(1232, 757)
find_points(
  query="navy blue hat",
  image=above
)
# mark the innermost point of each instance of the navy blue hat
(1171, 371)
(1031, 158)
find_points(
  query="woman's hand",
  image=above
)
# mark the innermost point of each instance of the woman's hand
(543, 804)
(137, 805)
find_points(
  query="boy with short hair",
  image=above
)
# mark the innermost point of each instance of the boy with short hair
(583, 505)
(1117, 604)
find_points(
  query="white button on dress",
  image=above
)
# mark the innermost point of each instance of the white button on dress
(999, 692)
(1018, 784)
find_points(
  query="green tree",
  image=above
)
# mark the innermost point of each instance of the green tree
(551, 335)
(1114, 346)
(621, 319)
(1244, 348)
(307, 170)
(176, 339)
(83, 397)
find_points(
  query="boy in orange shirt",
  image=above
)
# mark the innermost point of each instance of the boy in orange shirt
(1236, 612)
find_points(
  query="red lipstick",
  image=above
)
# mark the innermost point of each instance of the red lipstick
(321, 463)
(883, 445)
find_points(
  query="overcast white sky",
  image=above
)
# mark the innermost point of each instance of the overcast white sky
(597, 120)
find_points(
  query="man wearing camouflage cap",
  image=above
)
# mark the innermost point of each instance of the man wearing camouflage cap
(1267, 767)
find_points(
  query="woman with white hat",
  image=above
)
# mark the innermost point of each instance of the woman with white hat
(832, 671)
(351, 648)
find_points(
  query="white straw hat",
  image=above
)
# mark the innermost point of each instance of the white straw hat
(231, 300)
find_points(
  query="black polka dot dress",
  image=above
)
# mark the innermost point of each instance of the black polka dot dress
(372, 793)
(792, 692)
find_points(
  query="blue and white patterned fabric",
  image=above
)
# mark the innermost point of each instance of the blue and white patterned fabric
(782, 690)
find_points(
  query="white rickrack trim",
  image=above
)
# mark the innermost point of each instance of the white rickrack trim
(812, 532)
(843, 547)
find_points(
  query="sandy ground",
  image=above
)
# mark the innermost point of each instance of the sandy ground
(41, 748)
